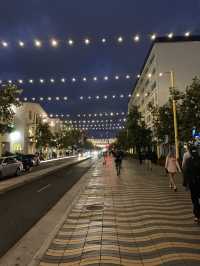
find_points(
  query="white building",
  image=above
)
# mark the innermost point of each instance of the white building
(26, 118)
(180, 55)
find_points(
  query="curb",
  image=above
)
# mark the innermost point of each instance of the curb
(76, 192)
(38, 176)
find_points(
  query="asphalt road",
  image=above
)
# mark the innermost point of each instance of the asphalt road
(21, 208)
(48, 164)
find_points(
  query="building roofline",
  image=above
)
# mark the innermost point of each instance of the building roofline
(164, 39)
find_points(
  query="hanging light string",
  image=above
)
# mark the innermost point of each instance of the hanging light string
(80, 98)
(95, 79)
(89, 115)
(92, 124)
(85, 121)
(74, 79)
(87, 42)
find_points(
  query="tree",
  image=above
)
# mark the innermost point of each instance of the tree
(139, 136)
(162, 117)
(190, 110)
(70, 138)
(163, 125)
(122, 139)
(136, 134)
(8, 99)
(44, 137)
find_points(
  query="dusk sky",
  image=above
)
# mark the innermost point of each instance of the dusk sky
(63, 19)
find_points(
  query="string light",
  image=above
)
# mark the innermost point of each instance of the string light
(87, 41)
(153, 36)
(73, 79)
(4, 44)
(21, 44)
(70, 42)
(136, 38)
(120, 39)
(38, 43)
(187, 34)
(54, 43)
(170, 35)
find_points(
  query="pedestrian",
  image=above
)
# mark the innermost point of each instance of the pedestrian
(140, 157)
(191, 179)
(172, 166)
(186, 154)
(104, 158)
(149, 158)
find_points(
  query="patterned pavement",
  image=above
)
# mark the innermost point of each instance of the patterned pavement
(134, 219)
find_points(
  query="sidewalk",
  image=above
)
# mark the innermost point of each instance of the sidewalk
(134, 219)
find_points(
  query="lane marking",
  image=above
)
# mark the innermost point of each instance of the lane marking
(43, 188)
(57, 159)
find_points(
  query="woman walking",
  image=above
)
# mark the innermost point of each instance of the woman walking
(172, 167)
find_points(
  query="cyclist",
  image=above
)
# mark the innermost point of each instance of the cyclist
(118, 154)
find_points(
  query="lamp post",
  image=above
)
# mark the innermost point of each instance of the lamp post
(172, 81)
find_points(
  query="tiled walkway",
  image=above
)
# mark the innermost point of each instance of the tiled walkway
(134, 219)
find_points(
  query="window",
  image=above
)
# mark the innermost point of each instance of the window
(10, 160)
(153, 86)
(151, 60)
(147, 82)
(30, 115)
(153, 71)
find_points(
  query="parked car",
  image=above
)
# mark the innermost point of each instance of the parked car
(10, 166)
(35, 158)
(26, 160)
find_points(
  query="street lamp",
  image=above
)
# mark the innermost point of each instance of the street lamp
(172, 85)
(172, 79)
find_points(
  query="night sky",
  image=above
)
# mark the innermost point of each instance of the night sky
(77, 19)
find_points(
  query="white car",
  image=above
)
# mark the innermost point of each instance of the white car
(10, 166)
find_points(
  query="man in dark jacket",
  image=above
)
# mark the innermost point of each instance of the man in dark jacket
(191, 175)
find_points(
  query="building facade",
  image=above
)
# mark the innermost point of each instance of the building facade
(22, 138)
(180, 56)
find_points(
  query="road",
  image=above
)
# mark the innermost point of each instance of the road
(21, 208)
(47, 164)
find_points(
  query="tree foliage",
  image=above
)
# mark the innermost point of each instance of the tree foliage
(8, 99)
(136, 134)
(44, 138)
(190, 110)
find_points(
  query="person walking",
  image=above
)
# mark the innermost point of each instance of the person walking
(172, 166)
(118, 155)
(191, 179)
(149, 158)
(186, 154)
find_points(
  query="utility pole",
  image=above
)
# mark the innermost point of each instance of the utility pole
(172, 79)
